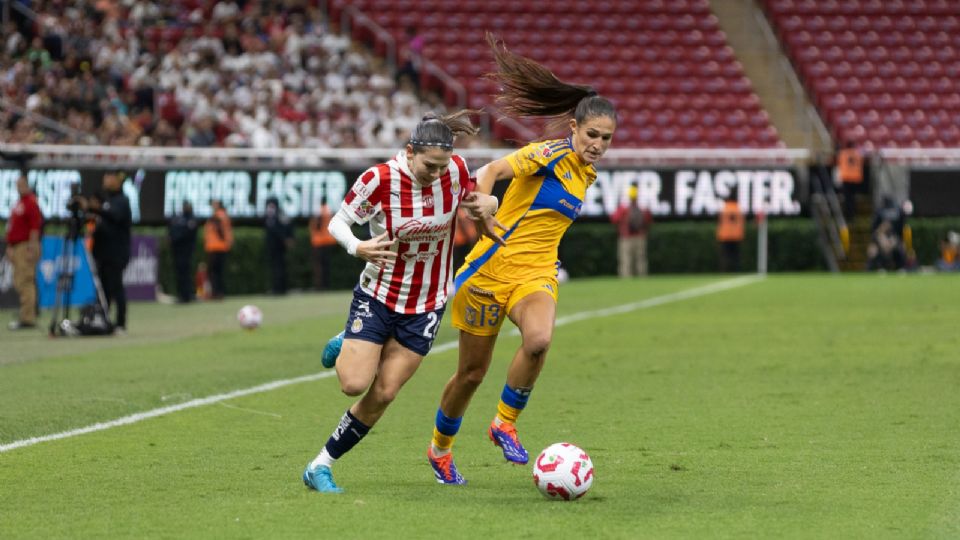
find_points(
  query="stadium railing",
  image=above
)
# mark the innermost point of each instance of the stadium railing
(107, 155)
(60, 130)
(807, 116)
(831, 225)
(921, 156)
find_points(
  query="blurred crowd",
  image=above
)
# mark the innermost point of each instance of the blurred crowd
(201, 73)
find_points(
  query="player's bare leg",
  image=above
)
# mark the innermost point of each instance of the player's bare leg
(476, 353)
(398, 366)
(381, 371)
(357, 365)
(534, 315)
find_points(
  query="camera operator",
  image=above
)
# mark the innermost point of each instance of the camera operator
(111, 242)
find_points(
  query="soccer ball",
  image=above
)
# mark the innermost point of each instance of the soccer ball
(249, 317)
(563, 471)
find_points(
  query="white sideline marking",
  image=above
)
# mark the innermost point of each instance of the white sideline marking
(656, 301)
(244, 409)
(138, 417)
(273, 385)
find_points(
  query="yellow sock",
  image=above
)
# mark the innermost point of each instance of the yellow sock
(441, 441)
(507, 413)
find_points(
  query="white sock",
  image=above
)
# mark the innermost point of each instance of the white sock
(323, 458)
(497, 420)
(438, 452)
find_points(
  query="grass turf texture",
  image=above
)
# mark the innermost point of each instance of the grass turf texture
(799, 406)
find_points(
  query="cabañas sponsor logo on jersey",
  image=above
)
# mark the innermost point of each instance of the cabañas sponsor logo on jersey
(418, 231)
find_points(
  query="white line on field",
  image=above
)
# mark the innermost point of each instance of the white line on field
(273, 385)
(656, 301)
(244, 409)
(138, 417)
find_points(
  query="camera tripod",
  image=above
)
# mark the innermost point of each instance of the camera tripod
(61, 325)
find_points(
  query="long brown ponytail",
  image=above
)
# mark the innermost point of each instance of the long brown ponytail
(530, 89)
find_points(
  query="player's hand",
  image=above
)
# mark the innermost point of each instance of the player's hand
(488, 227)
(480, 205)
(377, 250)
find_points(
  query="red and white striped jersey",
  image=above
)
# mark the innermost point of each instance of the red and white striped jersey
(422, 219)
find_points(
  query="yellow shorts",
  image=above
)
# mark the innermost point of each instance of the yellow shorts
(482, 302)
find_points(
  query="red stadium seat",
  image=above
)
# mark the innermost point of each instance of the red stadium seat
(850, 85)
(884, 101)
(945, 85)
(870, 118)
(946, 53)
(845, 39)
(951, 101)
(874, 85)
(875, 59)
(666, 63)
(879, 133)
(825, 85)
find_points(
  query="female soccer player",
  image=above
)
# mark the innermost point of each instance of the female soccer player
(411, 204)
(518, 279)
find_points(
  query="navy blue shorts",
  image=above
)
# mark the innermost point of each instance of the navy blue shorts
(372, 321)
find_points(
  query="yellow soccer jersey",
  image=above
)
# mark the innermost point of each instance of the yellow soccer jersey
(543, 199)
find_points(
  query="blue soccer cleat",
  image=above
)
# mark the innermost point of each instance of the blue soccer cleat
(444, 469)
(331, 351)
(505, 436)
(320, 478)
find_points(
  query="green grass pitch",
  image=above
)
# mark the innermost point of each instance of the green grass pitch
(810, 406)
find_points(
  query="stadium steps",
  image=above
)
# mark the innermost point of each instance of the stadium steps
(766, 67)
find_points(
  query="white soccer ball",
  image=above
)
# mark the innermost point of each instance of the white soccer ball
(249, 317)
(563, 471)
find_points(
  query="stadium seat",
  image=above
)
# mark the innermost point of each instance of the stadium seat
(664, 62)
(869, 62)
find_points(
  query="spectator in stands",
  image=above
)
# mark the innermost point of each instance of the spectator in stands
(730, 231)
(111, 242)
(217, 243)
(23, 252)
(949, 260)
(850, 175)
(322, 243)
(278, 66)
(886, 250)
(183, 242)
(278, 239)
(633, 224)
